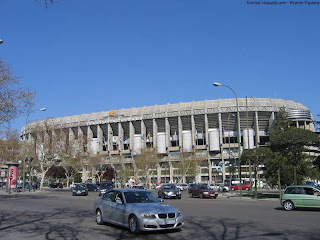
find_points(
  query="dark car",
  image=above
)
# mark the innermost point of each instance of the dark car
(139, 187)
(92, 187)
(56, 185)
(202, 191)
(169, 191)
(104, 187)
(80, 190)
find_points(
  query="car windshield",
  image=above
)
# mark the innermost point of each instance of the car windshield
(204, 187)
(171, 186)
(140, 197)
(80, 187)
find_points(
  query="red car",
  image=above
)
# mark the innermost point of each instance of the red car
(245, 186)
(202, 191)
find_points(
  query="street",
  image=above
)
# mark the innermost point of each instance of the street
(56, 214)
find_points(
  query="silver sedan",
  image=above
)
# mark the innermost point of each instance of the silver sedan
(138, 210)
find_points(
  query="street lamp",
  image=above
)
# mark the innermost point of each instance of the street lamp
(25, 149)
(216, 84)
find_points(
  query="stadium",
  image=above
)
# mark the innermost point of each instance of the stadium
(206, 130)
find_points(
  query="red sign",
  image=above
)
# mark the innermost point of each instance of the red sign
(11, 177)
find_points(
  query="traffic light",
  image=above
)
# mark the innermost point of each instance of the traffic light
(11, 172)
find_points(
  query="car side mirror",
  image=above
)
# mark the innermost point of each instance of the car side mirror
(161, 200)
(118, 201)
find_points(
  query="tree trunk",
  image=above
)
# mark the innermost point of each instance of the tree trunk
(295, 175)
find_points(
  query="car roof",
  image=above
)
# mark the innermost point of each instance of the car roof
(301, 186)
(124, 190)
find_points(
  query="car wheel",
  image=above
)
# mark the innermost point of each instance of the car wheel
(288, 205)
(133, 224)
(200, 195)
(99, 219)
(72, 194)
(190, 194)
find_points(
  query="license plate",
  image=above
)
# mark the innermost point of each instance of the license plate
(170, 221)
(173, 195)
(78, 192)
(212, 195)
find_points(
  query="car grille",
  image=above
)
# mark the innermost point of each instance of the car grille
(167, 225)
(164, 215)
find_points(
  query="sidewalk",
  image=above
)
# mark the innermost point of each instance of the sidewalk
(15, 192)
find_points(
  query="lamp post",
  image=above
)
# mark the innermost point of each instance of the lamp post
(25, 149)
(216, 84)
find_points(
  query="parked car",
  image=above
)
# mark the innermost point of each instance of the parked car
(182, 186)
(92, 187)
(169, 191)
(300, 196)
(245, 186)
(219, 187)
(139, 187)
(104, 187)
(56, 185)
(138, 210)
(202, 191)
(80, 190)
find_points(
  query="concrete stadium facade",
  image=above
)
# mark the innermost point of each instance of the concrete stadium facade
(206, 128)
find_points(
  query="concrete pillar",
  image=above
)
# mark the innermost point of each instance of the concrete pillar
(100, 138)
(221, 148)
(89, 139)
(193, 131)
(158, 173)
(110, 136)
(180, 132)
(131, 135)
(144, 134)
(155, 134)
(72, 147)
(120, 134)
(256, 128)
(171, 172)
(80, 140)
(167, 131)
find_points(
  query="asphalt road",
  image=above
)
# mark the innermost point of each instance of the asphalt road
(58, 215)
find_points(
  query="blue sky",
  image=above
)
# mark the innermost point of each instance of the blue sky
(91, 56)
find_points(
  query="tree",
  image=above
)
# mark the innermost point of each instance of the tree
(257, 156)
(145, 162)
(56, 172)
(187, 165)
(15, 100)
(124, 171)
(9, 147)
(41, 148)
(72, 167)
(290, 146)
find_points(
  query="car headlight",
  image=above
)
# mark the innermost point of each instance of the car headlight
(148, 215)
(178, 214)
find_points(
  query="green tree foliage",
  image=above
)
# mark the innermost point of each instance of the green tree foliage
(290, 145)
(258, 157)
(56, 172)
